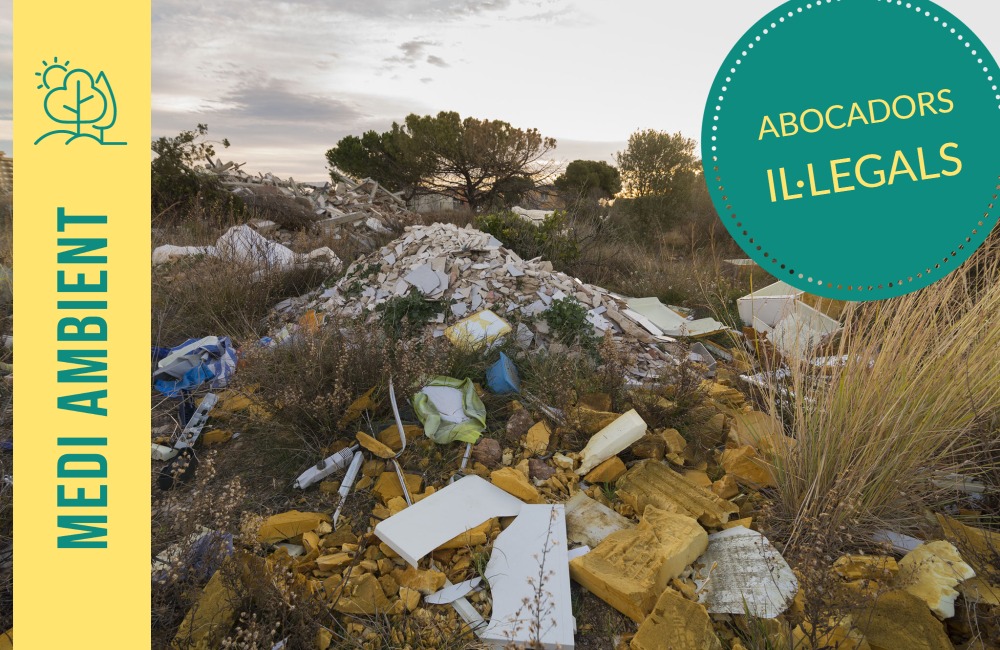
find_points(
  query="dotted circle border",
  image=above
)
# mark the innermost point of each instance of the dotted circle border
(718, 110)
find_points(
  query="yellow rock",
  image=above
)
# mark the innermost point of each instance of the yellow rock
(389, 585)
(362, 595)
(374, 446)
(396, 505)
(880, 568)
(324, 638)
(7, 640)
(515, 483)
(676, 444)
(357, 407)
(760, 431)
(216, 437)
(726, 395)
(977, 590)
(745, 522)
(974, 543)
(726, 487)
(289, 524)
(698, 477)
(409, 597)
(472, 537)
(744, 465)
(536, 441)
(608, 471)
(333, 562)
(653, 483)
(310, 541)
(596, 402)
(835, 635)
(426, 582)
(387, 486)
(590, 421)
(208, 621)
(389, 436)
(630, 568)
(931, 572)
(898, 620)
(711, 429)
(676, 623)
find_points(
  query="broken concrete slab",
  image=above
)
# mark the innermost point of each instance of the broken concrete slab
(931, 572)
(630, 568)
(589, 522)
(741, 572)
(611, 440)
(676, 623)
(457, 508)
(528, 574)
(650, 482)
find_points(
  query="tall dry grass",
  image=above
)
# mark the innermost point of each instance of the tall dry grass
(922, 376)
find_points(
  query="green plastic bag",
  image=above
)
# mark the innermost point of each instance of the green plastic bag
(462, 415)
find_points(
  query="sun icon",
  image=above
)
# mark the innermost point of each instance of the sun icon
(56, 68)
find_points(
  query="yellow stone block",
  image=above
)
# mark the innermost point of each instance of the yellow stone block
(515, 483)
(607, 472)
(289, 524)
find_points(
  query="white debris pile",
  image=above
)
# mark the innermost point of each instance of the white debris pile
(361, 204)
(469, 272)
(245, 245)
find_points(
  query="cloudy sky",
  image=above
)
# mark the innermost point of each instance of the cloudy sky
(284, 80)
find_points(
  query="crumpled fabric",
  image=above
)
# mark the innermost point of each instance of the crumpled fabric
(210, 360)
(450, 410)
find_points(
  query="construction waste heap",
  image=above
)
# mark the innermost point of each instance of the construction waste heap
(659, 530)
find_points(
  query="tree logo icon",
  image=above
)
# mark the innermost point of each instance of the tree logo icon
(78, 99)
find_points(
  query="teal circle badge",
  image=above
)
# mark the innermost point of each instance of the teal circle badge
(850, 146)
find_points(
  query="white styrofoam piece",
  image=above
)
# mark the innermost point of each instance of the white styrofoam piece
(610, 440)
(899, 542)
(741, 572)
(451, 593)
(162, 452)
(429, 523)
(528, 574)
(769, 304)
(589, 521)
(577, 552)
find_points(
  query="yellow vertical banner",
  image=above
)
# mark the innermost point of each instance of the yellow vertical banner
(81, 85)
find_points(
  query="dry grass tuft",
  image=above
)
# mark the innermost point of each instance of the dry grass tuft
(919, 380)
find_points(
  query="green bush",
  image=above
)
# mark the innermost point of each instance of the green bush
(551, 240)
(178, 191)
(567, 319)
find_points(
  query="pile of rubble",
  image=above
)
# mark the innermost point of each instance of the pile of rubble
(470, 272)
(334, 206)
